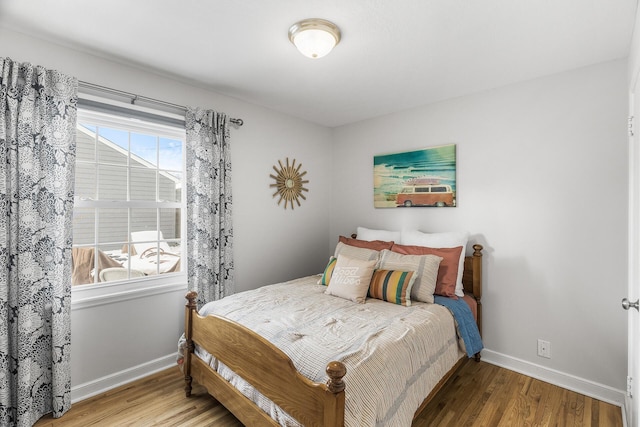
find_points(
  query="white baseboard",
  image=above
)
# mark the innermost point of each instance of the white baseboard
(561, 379)
(84, 391)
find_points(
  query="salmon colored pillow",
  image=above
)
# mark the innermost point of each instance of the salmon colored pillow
(448, 270)
(376, 245)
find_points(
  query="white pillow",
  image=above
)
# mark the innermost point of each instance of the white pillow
(350, 279)
(371, 235)
(440, 240)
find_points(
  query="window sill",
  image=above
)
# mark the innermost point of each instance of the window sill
(87, 296)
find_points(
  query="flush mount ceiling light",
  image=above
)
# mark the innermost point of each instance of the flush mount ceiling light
(314, 37)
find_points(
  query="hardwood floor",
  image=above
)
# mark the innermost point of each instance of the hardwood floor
(480, 394)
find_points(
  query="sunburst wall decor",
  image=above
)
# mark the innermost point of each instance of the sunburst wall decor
(289, 183)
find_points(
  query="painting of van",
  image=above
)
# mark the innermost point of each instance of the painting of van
(425, 195)
(417, 178)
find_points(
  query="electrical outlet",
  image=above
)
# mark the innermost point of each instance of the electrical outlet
(544, 349)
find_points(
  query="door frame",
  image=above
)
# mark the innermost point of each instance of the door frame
(632, 404)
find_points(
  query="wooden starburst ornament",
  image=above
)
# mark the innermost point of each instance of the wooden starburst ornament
(289, 184)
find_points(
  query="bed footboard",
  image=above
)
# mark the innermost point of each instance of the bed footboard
(265, 367)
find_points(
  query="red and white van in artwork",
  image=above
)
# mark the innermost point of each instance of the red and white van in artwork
(425, 192)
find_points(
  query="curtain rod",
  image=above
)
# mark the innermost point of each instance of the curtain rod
(134, 98)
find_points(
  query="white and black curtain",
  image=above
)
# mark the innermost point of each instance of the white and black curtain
(209, 229)
(37, 164)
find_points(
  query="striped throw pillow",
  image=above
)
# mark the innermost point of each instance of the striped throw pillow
(392, 286)
(426, 267)
(328, 271)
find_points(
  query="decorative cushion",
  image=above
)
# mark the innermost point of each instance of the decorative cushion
(440, 240)
(376, 245)
(448, 269)
(328, 271)
(351, 278)
(384, 235)
(425, 265)
(392, 286)
(355, 252)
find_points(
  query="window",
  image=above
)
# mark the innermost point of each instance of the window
(129, 199)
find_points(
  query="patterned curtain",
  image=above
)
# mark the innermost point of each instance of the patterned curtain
(37, 164)
(209, 230)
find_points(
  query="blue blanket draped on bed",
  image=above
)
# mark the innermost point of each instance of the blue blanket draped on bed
(466, 324)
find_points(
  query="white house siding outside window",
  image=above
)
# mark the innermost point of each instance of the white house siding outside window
(127, 222)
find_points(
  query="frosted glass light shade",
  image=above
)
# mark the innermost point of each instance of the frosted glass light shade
(314, 43)
(314, 38)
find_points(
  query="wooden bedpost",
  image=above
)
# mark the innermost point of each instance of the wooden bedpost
(335, 372)
(477, 286)
(334, 408)
(190, 308)
(477, 280)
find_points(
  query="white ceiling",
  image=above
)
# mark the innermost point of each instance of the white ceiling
(394, 54)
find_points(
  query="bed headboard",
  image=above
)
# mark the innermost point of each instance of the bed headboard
(471, 277)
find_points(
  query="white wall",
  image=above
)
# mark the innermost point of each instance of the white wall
(121, 339)
(542, 184)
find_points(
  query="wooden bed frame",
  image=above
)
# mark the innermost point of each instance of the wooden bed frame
(271, 371)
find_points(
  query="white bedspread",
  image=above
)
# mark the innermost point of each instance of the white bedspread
(394, 355)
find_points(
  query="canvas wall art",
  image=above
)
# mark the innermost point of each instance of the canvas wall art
(416, 178)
